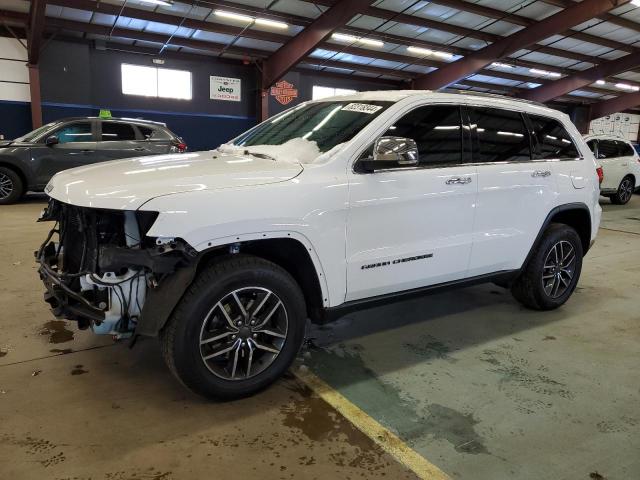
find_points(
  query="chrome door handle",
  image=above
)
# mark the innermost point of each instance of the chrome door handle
(541, 173)
(458, 180)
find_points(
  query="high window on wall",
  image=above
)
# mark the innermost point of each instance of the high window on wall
(324, 92)
(156, 82)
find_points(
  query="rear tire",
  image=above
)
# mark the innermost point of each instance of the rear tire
(624, 192)
(237, 329)
(11, 186)
(551, 274)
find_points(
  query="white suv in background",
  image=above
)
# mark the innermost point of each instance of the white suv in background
(620, 166)
(333, 205)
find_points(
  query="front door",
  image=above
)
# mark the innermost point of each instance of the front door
(76, 147)
(412, 227)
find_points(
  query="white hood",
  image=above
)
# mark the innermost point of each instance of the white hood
(127, 184)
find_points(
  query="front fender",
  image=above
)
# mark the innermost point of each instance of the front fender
(212, 218)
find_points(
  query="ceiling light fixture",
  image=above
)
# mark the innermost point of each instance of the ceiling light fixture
(600, 82)
(369, 41)
(341, 37)
(233, 16)
(271, 23)
(635, 2)
(545, 72)
(426, 51)
(502, 65)
(626, 86)
(164, 3)
(266, 22)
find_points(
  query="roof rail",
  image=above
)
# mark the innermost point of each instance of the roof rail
(492, 95)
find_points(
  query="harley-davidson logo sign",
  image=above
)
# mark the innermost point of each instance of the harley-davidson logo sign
(284, 92)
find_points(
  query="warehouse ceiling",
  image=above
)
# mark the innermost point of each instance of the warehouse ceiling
(391, 40)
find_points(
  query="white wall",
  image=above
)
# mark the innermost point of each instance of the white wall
(619, 124)
(14, 75)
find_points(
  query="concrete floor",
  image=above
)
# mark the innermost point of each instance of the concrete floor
(479, 386)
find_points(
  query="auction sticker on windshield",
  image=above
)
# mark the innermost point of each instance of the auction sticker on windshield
(361, 107)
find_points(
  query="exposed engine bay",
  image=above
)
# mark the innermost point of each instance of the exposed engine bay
(100, 269)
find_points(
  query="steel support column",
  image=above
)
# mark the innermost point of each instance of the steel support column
(36, 101)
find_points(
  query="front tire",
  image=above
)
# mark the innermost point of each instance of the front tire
(552, 272)
(624, 192)
(237, 329)
(11, 187)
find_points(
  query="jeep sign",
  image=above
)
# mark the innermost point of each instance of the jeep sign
(225, 88)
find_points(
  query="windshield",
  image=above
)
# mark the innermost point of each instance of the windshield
(31, 136)
(326, 123)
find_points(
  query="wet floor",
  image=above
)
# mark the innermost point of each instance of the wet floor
(488, 390)
(479, 386)
(77, 406)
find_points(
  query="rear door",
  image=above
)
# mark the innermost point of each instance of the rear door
(76, 147)
(515, 193)
(120, 140)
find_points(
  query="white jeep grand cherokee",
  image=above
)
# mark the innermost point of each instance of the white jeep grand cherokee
(332, 205)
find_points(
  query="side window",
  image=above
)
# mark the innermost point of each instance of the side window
(74, 132)
(501, 135)
(553, 139)
(436, 130)
(592, 146)
(149, 133)
(114, 131)
(607, 149)
(625, 150)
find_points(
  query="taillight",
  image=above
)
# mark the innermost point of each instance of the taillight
(600, 175)
(179, 146)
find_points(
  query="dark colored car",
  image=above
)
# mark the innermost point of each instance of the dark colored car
(28, 163)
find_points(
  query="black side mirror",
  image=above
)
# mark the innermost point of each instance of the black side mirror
(51, 141)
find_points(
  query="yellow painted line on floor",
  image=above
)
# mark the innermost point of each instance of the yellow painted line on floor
(381, 435)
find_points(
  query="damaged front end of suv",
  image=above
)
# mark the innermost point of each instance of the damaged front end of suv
(101, 270)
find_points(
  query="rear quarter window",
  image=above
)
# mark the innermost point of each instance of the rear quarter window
(151, 133)
(626, 150)
(554, 142)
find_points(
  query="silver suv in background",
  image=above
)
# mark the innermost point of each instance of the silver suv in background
(28, 163)
(620, 166)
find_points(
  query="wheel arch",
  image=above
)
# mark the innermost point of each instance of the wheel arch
(575, 215)
(291, 253)
(18, 171)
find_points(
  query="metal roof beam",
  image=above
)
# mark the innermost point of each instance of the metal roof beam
(522, 39)
(609, 17)
(306, 41)
(615, 105)
(584, 78)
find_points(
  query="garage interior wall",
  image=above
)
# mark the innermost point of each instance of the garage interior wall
(78, 79)
(15, 115)
(624, 125)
